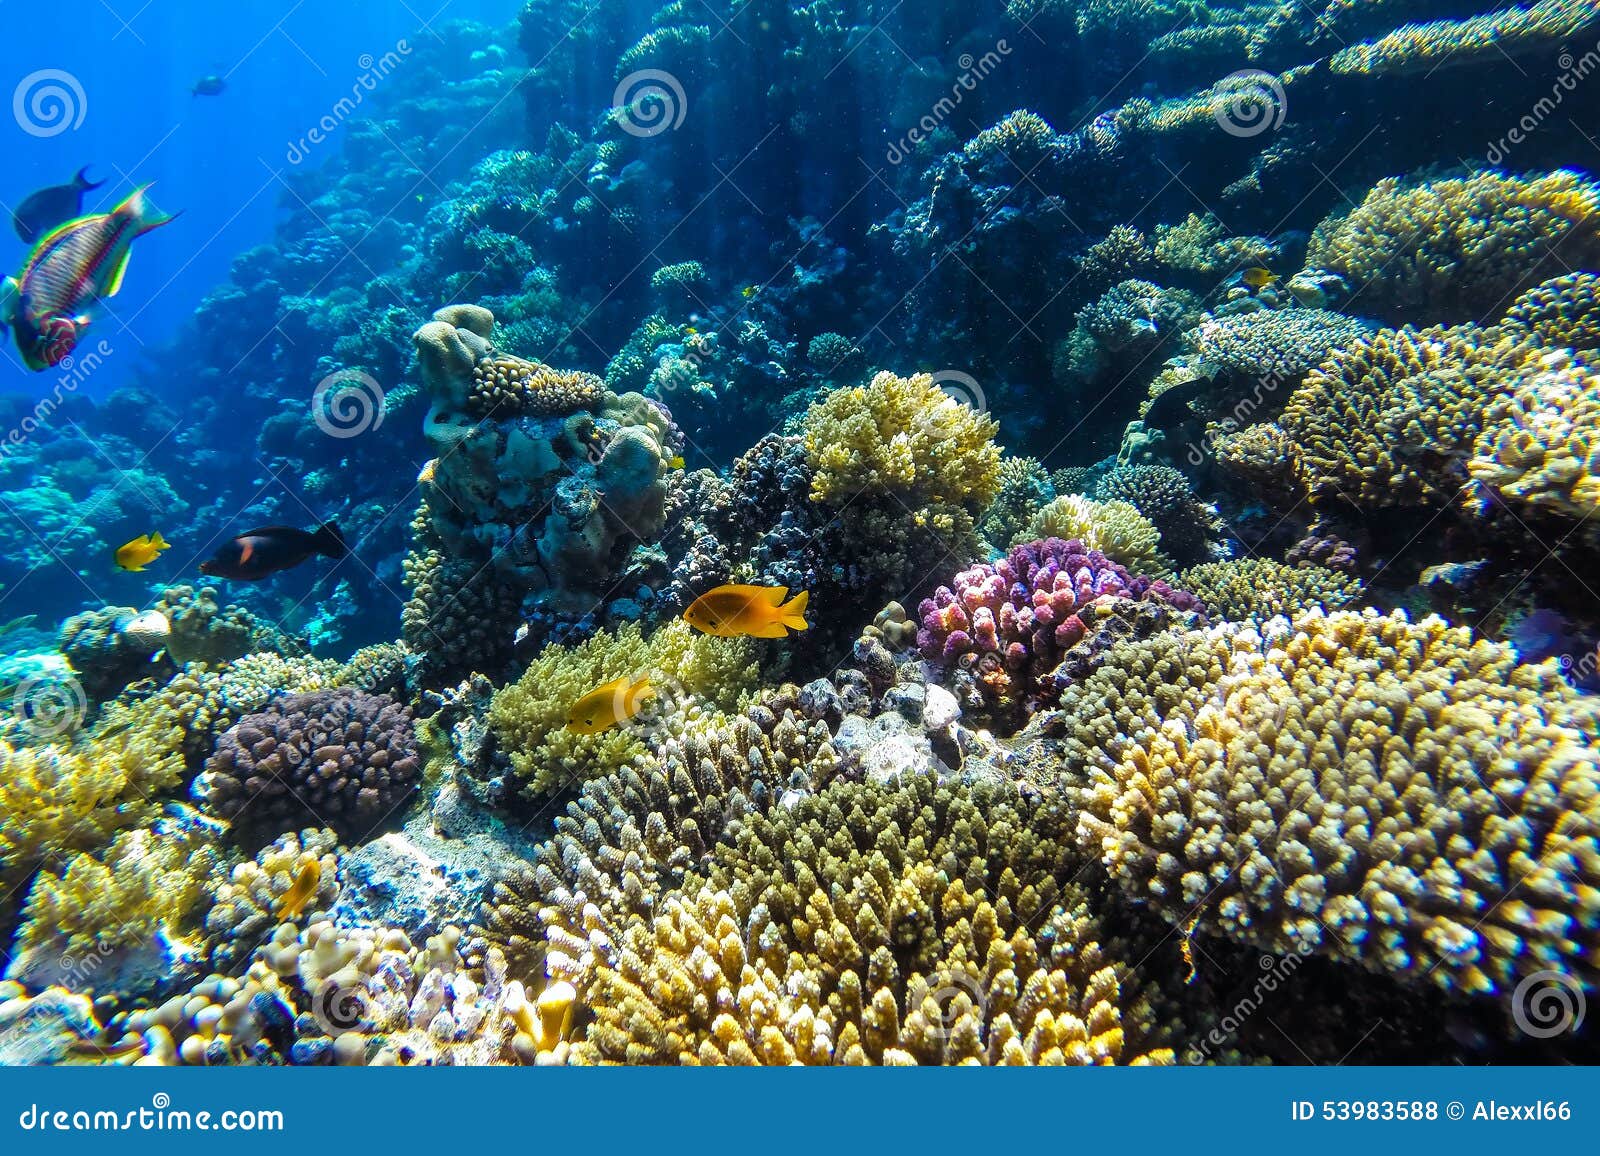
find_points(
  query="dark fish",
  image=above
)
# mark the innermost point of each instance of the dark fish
(257, 553)
(48, 207)
(1170, 407)
(208, 86)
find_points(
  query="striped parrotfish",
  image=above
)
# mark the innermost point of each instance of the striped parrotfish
(75, 266)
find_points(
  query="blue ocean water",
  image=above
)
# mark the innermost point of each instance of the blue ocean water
(599, 531)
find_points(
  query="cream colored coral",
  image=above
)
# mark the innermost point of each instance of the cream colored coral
(1540, 446)
(1491, 36)
(1117, 529)
(1255, 589)
(1397, 794)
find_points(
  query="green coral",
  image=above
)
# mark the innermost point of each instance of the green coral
(1255, 589)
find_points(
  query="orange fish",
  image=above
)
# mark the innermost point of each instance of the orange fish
(748, 612)
(609, 705)
(301, 891)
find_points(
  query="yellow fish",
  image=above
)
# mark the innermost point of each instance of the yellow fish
(1257, 277)
(609, 705)
(134, 556)
(748, 612)
(676, 461)
(301, 891)
(749, 291)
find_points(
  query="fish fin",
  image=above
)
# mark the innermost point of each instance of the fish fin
(142, 212)
(245, 552)
(773, 629)
(793, 615)
(771, 595)
(83, 182)
(330, 541)
(119, 269)
(158, 541)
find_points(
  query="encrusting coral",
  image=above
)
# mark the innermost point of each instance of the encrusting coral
(922, 925)
(1397, 794)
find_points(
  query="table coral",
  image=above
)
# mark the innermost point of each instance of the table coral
(1401, 795)
(1563, 312)
(826, 934)
(1514, 30)
(1275, 347)
(336, 757)
(1458, 249)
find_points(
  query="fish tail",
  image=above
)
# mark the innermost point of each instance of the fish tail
(83, 182)
(793, 613)
(142, 212)
(330, 541)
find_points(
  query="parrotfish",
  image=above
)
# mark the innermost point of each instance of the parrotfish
(257, 553)
(72, 269)
(134, 556)
(47, 208)
(608, 705)
(748, 612)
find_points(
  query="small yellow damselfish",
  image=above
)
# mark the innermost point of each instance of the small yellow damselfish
(608, 705)
(134, 556)
(300, 892)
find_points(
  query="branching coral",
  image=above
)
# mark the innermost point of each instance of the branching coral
(202, 629)
(337, 757)
(1009, 624)
(250, 903)
(825, 933)
(686, 670)
(1116, 529)
(1513, 30)
(1397, 794)
(1024, 486)
(1540, 447)
(1459, 249)
(1255, 589)
(1563, 312)
(1275, 347)
(1163, 495)
(503, 385)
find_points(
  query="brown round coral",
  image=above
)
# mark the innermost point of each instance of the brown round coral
(503, 385)
(339, 758)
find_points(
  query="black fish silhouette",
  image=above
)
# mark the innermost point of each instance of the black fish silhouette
(48, 207)
(257, 553)
(208, 86)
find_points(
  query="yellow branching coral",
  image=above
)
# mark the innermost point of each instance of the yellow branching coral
(1493, 36)
(1563, 312)
(1117, 529)
(1397, 794)
(688, 671)
(1255, 589)
(1541, 442)
(902, 436)
(922, 924)
(115, 915)
(1459, 249)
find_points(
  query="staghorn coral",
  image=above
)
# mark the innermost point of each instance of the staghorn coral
(1459, 249)
(1396, 794)
(1164, 496)
(686, 669)
(1116, 529)
(116, 920)
(1010, 623)
(336, 757)
(1514, 30)
(825, 933)
(246, 908)
(1255, 589)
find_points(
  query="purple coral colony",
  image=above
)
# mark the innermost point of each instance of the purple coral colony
(1183, 421)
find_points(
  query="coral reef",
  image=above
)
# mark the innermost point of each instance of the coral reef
(1115, 528)
(1255, 589)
